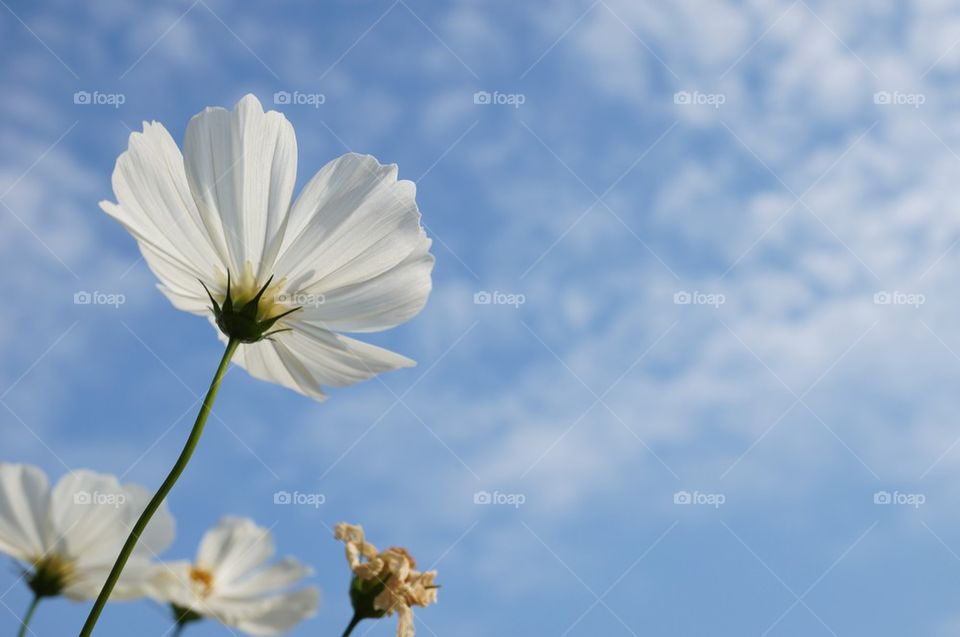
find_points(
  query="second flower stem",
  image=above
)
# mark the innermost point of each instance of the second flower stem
(25, 622)
(353, 624)
(161, 493)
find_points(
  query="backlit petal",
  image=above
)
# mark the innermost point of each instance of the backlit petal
(241, 166)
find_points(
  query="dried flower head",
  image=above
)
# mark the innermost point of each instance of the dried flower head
(385, 582)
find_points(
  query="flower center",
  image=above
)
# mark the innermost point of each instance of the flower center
(247, 288)
(247, 312)
(50, 574)
(202, 581)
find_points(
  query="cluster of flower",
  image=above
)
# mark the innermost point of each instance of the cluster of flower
(281, 279)
(68, 544)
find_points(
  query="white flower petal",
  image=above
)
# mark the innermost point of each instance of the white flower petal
(91, 514)
(86, 582)
(376, 304)
(195, 304)
(155, 205)
(309, 358)
(241, 167)
(24, 498)
(262, 360)
(233, 548)
(284, 573)
(269, 616)
(168, 583)
(352, 222)
(84, 519)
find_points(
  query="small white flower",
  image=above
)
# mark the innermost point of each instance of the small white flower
(68, 538)
(349, 252)
(229, 583)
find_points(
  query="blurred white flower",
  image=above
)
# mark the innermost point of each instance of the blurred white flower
(385, 582)
(349, 253)
(68, 538)
(229, 583)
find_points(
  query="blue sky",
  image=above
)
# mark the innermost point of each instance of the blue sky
(733, 230)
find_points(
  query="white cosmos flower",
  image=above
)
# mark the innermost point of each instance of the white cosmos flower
(68, 538)
(349, 251)
(229, 583)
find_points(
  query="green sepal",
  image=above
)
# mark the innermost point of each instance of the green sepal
(362, 595)
(183, 615)
(243, 323)
(45, 581)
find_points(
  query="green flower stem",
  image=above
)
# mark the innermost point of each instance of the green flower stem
(161, 493)
(178, 630)
(26, 618)
(353, 624)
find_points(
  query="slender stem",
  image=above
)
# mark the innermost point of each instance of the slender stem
(179, 629)
(353, 624)
(26, 618)
(161, 493)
